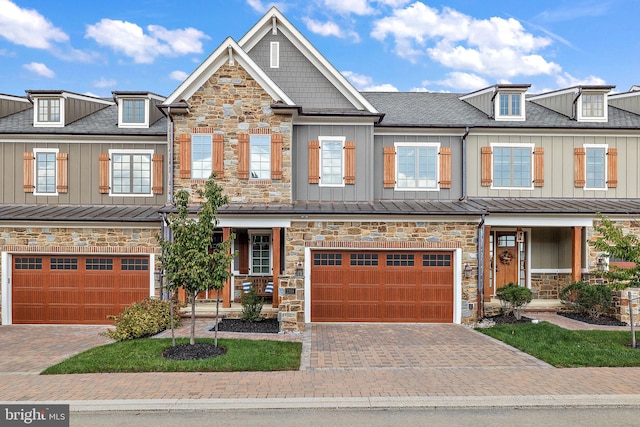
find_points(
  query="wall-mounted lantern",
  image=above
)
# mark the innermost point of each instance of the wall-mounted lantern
(601, 263)
(468, 271)
(299, 271)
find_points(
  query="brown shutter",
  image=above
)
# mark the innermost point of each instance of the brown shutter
(276, 156)
(243, 251)
(217, 150)
(243, 156)
(389, 160)
(445, 167)
(157, 173)
(185, 155)
(350, 162)
(314, 162)
(28, 172)
(612, 178)
(578, 167)
(487, 175)
(62, 184)
(103, 173)
(538, 166)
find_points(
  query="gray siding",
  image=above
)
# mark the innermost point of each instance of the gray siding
(483, 103)
(77, 108)
(8, 107)
(627, 103)
(154, 114)
(82, 174)
(298, 77)
(562, 104)
(551, 248)
(362, 190)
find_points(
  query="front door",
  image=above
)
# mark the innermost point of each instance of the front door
(506, 258)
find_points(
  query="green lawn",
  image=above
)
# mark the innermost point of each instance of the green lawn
(145, 355)
(569, 349)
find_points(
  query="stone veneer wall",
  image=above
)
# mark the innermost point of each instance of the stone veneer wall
(549, 285)
(110, 240)
(232, 102)
(372, 235)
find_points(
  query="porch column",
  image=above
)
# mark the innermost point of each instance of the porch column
(487, 263)
(276, 266)
(576, 254)
(226, 290)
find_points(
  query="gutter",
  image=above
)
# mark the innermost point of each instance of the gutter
(481, 261)
(170, 155)
(464, 164)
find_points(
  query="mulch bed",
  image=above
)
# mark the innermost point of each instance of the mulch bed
(507, 319)
(601, 320)
(193, 352)
(265, 326)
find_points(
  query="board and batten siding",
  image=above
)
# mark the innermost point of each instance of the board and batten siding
(550, 248)
(558, 164)
(82, 174)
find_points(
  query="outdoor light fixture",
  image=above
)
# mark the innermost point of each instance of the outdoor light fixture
(468, 271)
(601, 263)
(299, 270)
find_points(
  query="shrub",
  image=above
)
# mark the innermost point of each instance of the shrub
(582, 297)
(142, 319)
(514, 297)
(252, 306)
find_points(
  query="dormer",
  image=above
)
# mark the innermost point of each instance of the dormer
(137, 109)
(57, 108)
(580, 103)
(502, 102)
(627, 101)
(10, 104)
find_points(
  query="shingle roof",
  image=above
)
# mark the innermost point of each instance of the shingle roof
(113, 213)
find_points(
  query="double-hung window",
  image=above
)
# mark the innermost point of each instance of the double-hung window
(592, 105)
(131, 172)
(260, 254)
(45, 171)
(49, 110)
(512, 166)
(201, 156)
(260, 156)
(417, 166)
(332, 161)
(510, 104)
(595, 167)
(133, 111)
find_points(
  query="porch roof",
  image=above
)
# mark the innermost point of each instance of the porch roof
(93, 213)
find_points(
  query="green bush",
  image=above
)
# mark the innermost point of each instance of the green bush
(252, 306)
(582, 297)
(142, 319)
(514, 297)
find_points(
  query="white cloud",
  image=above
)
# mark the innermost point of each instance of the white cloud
(461, 81)
(40, 69)
(357, 7)
(329, 29)
(494, 47)
(259, 7)
(393, 3)
(365, 83)
(27, 27)
(386, 87)
(567, 80)
(105, 83)
(178, 75)
(130, 39)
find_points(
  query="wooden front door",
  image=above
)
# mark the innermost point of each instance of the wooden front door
(506, 259)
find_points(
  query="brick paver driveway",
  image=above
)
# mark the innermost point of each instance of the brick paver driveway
(419, 345)
(32, 348)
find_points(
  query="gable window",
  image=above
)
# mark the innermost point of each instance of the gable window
(201, 156)
(417, 166)
(45, 171)
(331, 161)
(260, 156)
(131, 172)
(260, 254)
(510, 104)
(595, 167)
(275, 55)
(512, 166)
(49, 110)
(592, 105)
(133, 111)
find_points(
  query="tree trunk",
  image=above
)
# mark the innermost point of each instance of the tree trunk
(173, 332)
(192, 340)
(215, 339)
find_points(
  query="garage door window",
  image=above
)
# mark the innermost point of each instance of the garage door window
(364, 259)
(28, 263)
(135, 265)
(64, 263)
(327, 259)
(436, 260)
(400, 260)
(99, 264)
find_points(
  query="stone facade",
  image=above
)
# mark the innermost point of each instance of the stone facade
(548, 286)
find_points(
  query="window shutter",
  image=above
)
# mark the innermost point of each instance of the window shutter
(612, 165)
(62, 184)
(185, 155)
(350, 162)
(243, 156)
(389, 160)
(578, 167)
(445, 167)
(243, 251)
(314, 162)
(157, 173)
(28, 172)
(538, 167)
(486, 178)
(217, 149)
(103, 173)
(276, 156)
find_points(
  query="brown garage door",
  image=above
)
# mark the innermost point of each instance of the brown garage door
(60, 289)
(381, 286)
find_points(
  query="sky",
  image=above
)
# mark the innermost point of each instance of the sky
(95, 47)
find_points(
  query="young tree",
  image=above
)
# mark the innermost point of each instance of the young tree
(614, 243)
(189, 258)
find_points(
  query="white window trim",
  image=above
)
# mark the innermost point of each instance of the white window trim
(251, 178)
(260, 233)
(58, 124)
(418, 144)
(511, 145)
(130, 151)
(321, 140)
(606, 166)
(204, 135)
(122, 123)
(496, 107)
(605, 109)
(35, 171)
(274, 55)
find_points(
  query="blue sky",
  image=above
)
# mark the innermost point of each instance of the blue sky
(94, 47)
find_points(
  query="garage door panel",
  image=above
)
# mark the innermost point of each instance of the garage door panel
(435, 312)
(400, 293)
(363, 312)
(359, 292)
(327, 311)
(401, 312)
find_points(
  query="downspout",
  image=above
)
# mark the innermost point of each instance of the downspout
(493, 104)
(480, 305)
(574, 109)
(170, 154)
(464, 164)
